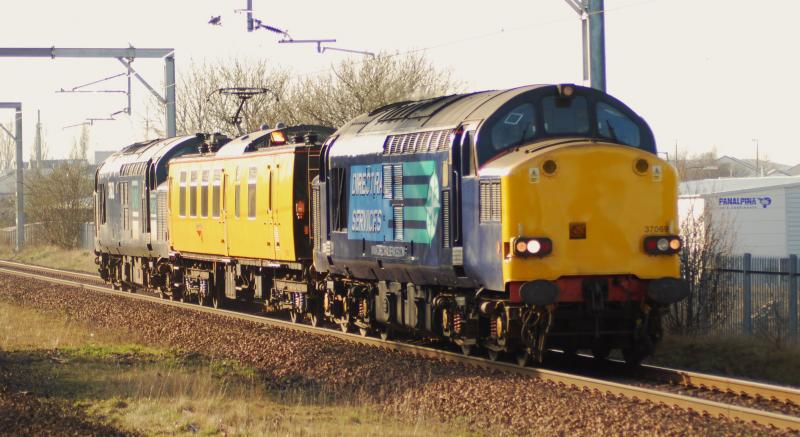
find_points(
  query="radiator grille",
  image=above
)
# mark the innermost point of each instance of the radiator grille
(398, 223)
(417, 142)
(397, 181)
(490, 201)
(446, 218)
(387, 181)
(161, 220)
(315, 218)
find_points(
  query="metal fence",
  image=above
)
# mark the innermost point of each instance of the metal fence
(35, 234)
(760, 297)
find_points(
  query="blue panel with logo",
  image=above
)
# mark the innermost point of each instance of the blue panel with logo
(383, 194)
(369, 212)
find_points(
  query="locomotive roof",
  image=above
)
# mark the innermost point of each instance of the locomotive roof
(252, 141)
(369, 133)
(437, 112)
(141, 152)
(445, 112)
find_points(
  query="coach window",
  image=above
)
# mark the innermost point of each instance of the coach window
(251, 192)
(565, 115)
(215, 193)
(193, 194)
(182, 195)
(204, 195)
(613, 124)
(123, 200)
(101, 201)
(237, 195)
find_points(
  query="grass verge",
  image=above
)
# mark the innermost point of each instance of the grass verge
(119, 386)
(79, 260)
(747, 357)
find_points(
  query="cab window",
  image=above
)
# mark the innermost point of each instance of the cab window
(613, 124)
(565, 115)
(515, 127)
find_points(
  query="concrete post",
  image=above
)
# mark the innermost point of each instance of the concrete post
(20, 188)
(597, 36)
(169, 93)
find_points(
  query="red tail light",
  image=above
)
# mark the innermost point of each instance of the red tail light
(662, 245)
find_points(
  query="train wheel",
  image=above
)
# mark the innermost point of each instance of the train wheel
(493, 355)
(633, 357)
(344, 326)
(314, 319)
(217, 301)
(466, 349)
(363, 331)
(523, 358)
(294, 316)
(384, 332)
(601, 352)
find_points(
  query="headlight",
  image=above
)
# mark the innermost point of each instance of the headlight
(662, 245)
(539, 246)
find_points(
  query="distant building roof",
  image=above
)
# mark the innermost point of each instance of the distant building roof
(729, 185)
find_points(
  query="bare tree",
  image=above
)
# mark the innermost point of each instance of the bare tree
(706, 245)
(698, 166)
(61, 200)
(349, 89)
(354, 87)
(200, 111)
(80, 145)
(8, 148)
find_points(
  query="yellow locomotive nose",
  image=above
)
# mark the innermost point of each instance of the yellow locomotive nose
(594, 206)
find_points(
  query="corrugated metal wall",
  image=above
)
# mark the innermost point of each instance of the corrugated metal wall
(793, 219)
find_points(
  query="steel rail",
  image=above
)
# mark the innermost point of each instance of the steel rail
(90, 276)
(699, 405)
(788, 395)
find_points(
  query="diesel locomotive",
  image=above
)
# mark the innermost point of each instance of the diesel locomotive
(512, 221)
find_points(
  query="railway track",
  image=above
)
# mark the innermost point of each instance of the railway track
(781, 395)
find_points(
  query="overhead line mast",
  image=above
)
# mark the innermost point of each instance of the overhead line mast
(593, 38)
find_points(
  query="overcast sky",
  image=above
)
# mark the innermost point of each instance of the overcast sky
(704, 73)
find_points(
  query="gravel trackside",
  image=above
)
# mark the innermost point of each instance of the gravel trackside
(398, 382)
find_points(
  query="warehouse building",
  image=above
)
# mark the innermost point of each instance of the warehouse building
(760, 216)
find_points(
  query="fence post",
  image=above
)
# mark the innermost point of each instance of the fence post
(793, 296)
(747, 305)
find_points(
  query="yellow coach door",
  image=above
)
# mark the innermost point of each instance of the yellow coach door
(215, 228)
(269, 210)
(283, 206)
